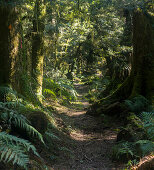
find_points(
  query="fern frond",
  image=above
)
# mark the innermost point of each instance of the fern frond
(51, 135)
(8, 92)
(148, 120)
(13, 153)
(10, 139)
(20, 121)
(50, 92)
(15, 149)
(147, 116)
(146, 146)
(138, 104)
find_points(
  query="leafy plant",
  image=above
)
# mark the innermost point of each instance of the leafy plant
(8, 93)
(12, 148)
(135, 150)
(148, 122)
(138, 104)
(52, 136)
(123, 151)
(145, 147)
(12, 117)
(15, 149)
(60, 89)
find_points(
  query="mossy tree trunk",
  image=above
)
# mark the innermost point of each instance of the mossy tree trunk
(37, 49)
(143, 53)
(141, 79)
(9, 41)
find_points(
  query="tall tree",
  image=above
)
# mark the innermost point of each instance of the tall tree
(9, 41)
(37, 49)
(141, 79)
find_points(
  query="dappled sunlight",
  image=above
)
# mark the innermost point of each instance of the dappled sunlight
(92, 139)
(76, 84)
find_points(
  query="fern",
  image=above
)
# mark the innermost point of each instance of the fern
(51, 135)
(14, 154)
(146, 146)
(12, 148)
(148, 120)
(13, 117)
(8, 93)
(59, 89)
(123, 150)
(15, 149)
(49, 92)
(20, 121)
(18, 141)
(138, 104)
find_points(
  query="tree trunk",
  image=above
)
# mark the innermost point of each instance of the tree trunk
(9, 41)
(141, 79)
(143, 52)
(37, 50)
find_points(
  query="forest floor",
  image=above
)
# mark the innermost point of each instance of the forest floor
(91, 137)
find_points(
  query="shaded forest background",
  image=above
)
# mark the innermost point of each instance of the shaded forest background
(46, 46)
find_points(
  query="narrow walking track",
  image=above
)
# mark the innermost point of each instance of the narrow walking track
(93, 140)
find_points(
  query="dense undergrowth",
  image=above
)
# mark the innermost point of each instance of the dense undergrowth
(48, 46)
(21, 135)
(136, 135)
(136, 138)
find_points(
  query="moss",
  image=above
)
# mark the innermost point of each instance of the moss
(37, 51)
(9, 40)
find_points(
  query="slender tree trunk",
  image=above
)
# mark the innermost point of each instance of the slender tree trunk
(37, 50)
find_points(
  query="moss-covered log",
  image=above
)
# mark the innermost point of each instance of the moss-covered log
(141, 79)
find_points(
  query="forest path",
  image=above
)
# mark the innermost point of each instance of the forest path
(92, 139)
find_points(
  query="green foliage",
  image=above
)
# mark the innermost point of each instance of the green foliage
(8, 94)
(148, 120)
(60, 89)
(134, 150)
(96, 85)
(123, 151)
(12, 117)
(145, 147)
(52, 136)
(15, 149)
(138, 104)
(12, 148)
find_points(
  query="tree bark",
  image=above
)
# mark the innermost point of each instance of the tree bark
(141, 79)
(37, 50)
(9, 41)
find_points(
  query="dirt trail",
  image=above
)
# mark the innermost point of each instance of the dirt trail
(93, 140)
